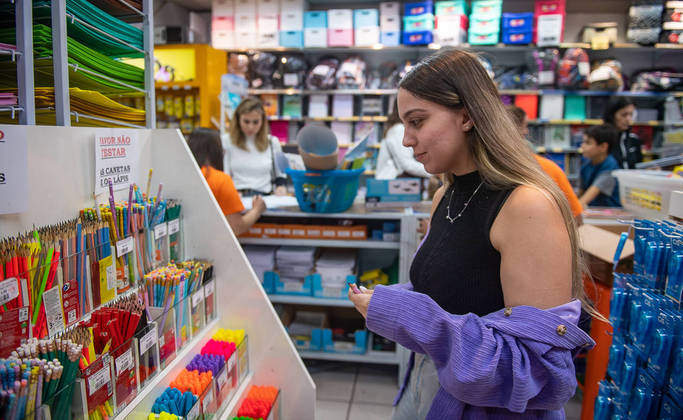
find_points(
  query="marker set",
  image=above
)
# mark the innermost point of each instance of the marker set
(209, 380)
(262, 402)
(645, 369)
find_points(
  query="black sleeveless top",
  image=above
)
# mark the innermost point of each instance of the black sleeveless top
(457, 266)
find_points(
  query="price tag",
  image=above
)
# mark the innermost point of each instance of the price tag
(9, 290)
(111, 277)
(160, 231)
(331, 292)
(222, 378)
(291, 79)
(209, 288)
(293, 286)
(124, 362)
(99, 379)
(231, 362)
(53, 311)
(208, 399)
(546, 77)
(584, 68)
(148, 340)
(197, 298)
(124, 246)
(173, 226)
(194, 413)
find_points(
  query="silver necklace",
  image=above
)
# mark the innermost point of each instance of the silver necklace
(448, 207)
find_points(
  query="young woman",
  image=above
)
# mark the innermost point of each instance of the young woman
(619, 114)
(394, 159)
(491, 308)
(250, 152)
(205, 145)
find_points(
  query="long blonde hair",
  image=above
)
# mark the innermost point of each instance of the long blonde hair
(237, 135)
(456, 79)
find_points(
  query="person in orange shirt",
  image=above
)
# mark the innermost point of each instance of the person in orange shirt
(207, 150)
(555, 172)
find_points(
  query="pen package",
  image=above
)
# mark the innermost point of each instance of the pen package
(209, 289)
(97, 388)
(175, 232)
(197, 311)
(669, 410)
(165, 319)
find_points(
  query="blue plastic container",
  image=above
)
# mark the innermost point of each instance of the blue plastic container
(292, 39)
(331, 292)
(518, 22)
(315, 19)
(513, 37)
(365, 17)
(296, 289)
(418, 8)
(359, 346)
(417, 38)
(419, 23)
(390, 39)
(325, 191)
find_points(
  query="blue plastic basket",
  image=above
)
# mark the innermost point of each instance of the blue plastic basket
(325, 191)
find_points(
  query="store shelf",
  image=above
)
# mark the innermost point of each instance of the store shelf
(541, 92)
(308, 300)
(176, 85)
(323, 92)
(541, 149)
(598, 122)
(357, 211)
(432, 47)
(12, 109)
(349, 119)
(321, 243)
(384, 359)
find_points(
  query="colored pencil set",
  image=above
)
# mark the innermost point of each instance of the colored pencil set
(39, 376)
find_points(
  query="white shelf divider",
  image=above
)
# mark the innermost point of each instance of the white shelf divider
(61, 180)
(308, 300)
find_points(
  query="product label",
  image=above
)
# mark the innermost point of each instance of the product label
(546, 77)
(194, 413)
(231, 362)
(99, 379)
(549, 30)
(208, 399)
(70, 301)
(13, 329)
(291, 79)
(293, 286)
(209, 289)
(124, 362)
(197, 298)
(53, 311)
(9, 290)
(160, 231)
(148, 340)
(222, 377)
(173, 226)
(331, 292)
(124, 246)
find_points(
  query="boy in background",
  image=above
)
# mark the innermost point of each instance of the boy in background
(597, 183)
(555, 172)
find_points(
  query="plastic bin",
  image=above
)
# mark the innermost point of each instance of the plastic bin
(512, 37)
(417, 38)
(418, 8)
(325, 191)
(328, 292)
(519, 22)
(288, 288)
(647, 193)
(424, 22)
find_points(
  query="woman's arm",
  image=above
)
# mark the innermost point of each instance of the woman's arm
(280, 178)
(240, 223)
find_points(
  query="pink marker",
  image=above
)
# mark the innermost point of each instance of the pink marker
(356, 290)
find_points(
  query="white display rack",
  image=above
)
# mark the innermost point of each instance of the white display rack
(61, 180)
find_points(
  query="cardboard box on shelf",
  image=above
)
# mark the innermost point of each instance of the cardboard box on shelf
(599, 246)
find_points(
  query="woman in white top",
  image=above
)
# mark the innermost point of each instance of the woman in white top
(394, 159)
(250, 152)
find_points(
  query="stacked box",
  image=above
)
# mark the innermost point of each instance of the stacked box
(418, 23)
(315, 29)
(223, 24)
(268, 23)
(340, 28)
(245, 24)
(518, 28)
(390, 23)
(645, 23)
(292, 23)
(485, 22)
(549, 18)
(672, 25)
(366, 27)
(451, 22)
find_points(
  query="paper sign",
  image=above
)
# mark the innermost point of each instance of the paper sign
(160, 231)
(99, 379)
(53, 311)
(148, 340)
(209, 288)
(9, 290)
(173, 226)
(124, 246)
(13, 170)
(124, 362)
(117, 157)
(197, 298)
(13, 329)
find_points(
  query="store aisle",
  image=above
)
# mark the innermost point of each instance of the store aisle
(365, 392)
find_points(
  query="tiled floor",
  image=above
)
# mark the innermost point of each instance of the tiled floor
(365, 392)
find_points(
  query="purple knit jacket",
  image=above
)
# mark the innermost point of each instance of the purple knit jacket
(515, 363)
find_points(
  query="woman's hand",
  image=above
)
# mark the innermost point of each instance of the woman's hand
(259, 204)
(280, 190)
(361, 300)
